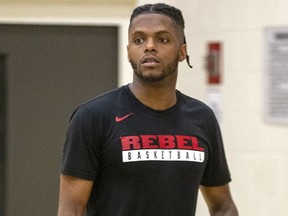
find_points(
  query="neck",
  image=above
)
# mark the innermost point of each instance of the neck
(157, 96)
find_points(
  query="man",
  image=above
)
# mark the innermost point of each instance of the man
(144, 149)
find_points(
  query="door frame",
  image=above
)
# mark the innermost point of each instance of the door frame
(3, 131)
(124, 73)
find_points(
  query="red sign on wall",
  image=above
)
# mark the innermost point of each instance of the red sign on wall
(214, 63)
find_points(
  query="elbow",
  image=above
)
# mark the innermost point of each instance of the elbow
(70, 210)
(228, 209)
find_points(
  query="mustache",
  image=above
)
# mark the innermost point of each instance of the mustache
(150, 57)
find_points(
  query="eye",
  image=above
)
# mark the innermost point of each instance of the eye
(163, 40)
(138, 40)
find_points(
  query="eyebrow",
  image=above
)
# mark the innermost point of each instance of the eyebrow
(157, 33)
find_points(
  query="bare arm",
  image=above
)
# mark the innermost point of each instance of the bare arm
(74, 195)
(219, 200)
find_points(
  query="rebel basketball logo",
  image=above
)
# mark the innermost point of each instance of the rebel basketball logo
(161, 148)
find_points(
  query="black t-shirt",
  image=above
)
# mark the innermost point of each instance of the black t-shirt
(144, 162)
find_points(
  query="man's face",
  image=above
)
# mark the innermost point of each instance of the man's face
(155, 47)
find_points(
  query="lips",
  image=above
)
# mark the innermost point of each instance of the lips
(150, 61)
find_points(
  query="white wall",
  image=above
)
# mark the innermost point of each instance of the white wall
(257, 151)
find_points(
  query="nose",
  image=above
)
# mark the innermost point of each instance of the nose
(150, 46)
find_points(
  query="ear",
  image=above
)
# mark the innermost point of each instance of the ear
(182, 53)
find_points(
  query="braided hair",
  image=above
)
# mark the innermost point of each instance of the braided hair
(164, 9)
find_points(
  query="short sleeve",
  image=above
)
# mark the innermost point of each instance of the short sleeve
(216, 172)
(81, 149)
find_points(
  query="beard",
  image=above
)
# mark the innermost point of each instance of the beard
(167, 71)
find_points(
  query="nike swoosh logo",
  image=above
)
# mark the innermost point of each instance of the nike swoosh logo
(119, 119)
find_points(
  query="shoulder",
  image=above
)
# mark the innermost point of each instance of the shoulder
(101, 105)
(193, 104)
(198, 111)
(106, 98)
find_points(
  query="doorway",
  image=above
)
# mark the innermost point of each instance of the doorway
(50, 71)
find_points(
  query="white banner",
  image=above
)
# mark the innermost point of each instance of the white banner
(276, 75)
(163, 155)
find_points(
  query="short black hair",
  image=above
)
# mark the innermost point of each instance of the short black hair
(160, 8)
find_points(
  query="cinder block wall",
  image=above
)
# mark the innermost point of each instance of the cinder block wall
(257, 151)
